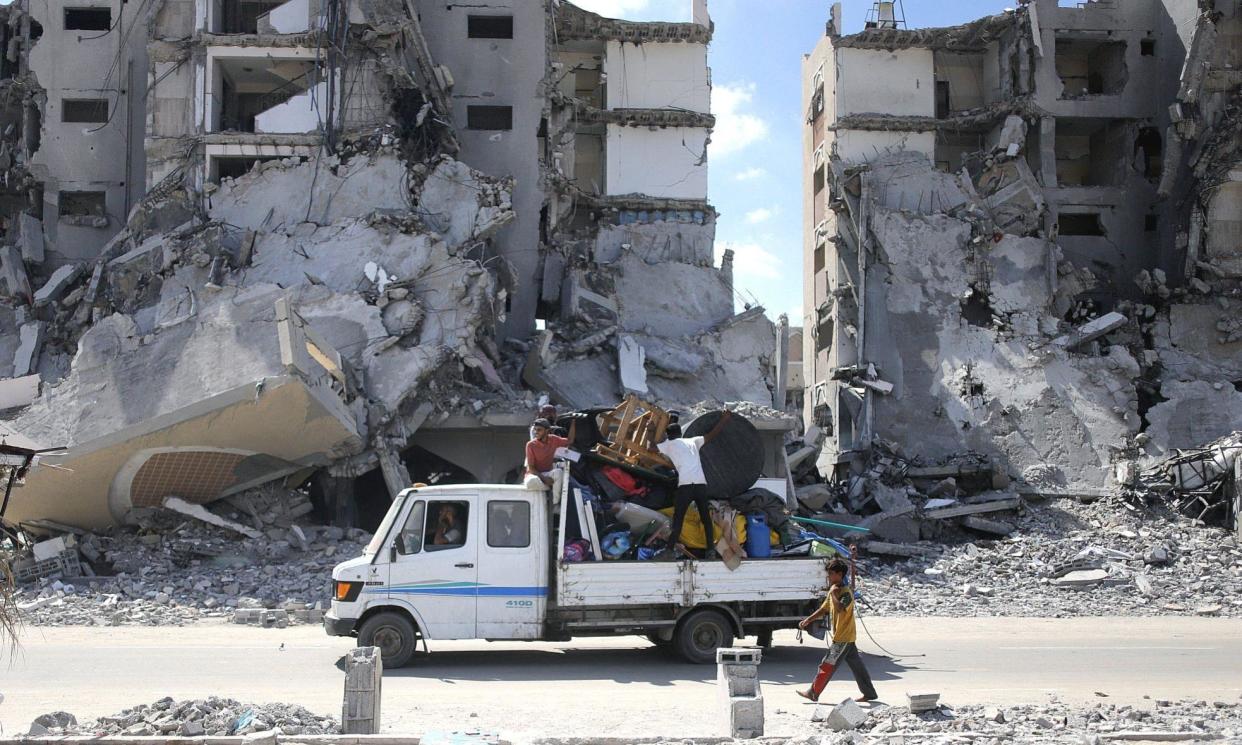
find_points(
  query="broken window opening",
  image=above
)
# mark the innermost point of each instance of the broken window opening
(234, 166)
(942, 99)
(953, 147)
(820, 261)
(84, 208)
(1090, 67)
(977, 308)
(1080, 223)
(88, 19)
(823, 334)
(242, 16)
(489, 27)
(960, 83)
(1149, 153)
(489, 117)
(1092, 152)
(1147, 47)
(268, 95)
(84, 110)
(819, 201)
(36, 30)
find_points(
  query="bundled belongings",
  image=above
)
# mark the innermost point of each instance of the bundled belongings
(623, 483)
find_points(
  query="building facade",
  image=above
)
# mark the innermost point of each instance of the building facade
(1035, 152)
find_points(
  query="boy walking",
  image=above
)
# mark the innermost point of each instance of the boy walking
(839, 605)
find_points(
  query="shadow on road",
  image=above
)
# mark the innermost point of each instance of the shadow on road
(648, 665)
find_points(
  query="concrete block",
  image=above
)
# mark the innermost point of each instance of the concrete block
(26, 358)
(16, 392)
(631, 361)
(32, 239)
(746, 717)
(56, 285)
(364, 674)
(846, 716)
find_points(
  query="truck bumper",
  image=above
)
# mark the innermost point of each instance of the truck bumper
(338, 626)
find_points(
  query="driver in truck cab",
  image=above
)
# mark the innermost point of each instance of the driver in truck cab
(448, 532)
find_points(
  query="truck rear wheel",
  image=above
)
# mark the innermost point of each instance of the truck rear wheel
(393, 634)
(701, 634)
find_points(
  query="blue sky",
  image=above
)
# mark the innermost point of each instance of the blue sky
(755, 158)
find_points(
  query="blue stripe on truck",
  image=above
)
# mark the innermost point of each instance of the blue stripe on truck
(461, 589)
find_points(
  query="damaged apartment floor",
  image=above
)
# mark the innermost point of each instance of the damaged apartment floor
(627, 688)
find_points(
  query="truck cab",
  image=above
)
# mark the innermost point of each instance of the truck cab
(485, 576)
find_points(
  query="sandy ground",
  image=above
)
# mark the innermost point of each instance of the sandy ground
(621, 687)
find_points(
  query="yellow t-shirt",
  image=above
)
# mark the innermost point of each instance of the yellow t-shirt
(843, 629)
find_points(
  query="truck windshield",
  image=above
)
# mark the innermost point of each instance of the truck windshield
(382, 531)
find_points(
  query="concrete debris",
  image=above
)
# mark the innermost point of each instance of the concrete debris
(1205, 483)
(1099, 545)
(1091, 331)
(212, 717)
(198, 512)
(163, 570)
(846, 715)
(922, 701)
(1056, 722)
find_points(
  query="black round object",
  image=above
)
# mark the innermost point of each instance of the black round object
(700, 634)
(732, 462)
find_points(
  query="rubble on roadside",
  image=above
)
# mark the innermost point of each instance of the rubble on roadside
(1054, 722)
(1064, 558)
(210, 717)
(172, 570)
(1203, 483)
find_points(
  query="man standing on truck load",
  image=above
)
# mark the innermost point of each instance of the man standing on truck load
(839, 605)
(691, 482)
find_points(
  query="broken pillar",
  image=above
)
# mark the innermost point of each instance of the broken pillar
(56, 285)
(32, 239)
(26, 359)
(1091, 330)
(364, 674)
(13, 274)
(737, 678)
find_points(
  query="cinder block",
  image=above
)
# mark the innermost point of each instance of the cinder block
(746, 717)
(739, 655)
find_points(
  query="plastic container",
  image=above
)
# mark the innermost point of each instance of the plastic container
(758, 537)
(640, 519)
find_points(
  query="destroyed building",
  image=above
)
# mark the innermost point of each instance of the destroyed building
(344, 243)
(1021, 237)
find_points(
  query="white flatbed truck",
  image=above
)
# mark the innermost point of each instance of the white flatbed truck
(505, 580)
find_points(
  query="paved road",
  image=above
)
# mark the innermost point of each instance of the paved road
(620, 687)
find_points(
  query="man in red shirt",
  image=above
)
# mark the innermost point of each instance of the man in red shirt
(540, 452)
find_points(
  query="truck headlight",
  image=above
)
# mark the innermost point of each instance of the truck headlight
(346, 592)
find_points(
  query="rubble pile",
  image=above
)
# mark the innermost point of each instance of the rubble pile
(1054, 722)
(211, 717)
(1203, 483)
(173, 570)
(1064, 558)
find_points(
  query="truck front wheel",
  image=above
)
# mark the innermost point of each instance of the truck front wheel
(393, 634)
(701, 634)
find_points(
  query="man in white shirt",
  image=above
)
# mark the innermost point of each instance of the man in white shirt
(691, 482)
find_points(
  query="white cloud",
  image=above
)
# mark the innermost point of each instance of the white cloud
(750, 261)
(735, 129)
(754, 217)
(750, 174)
